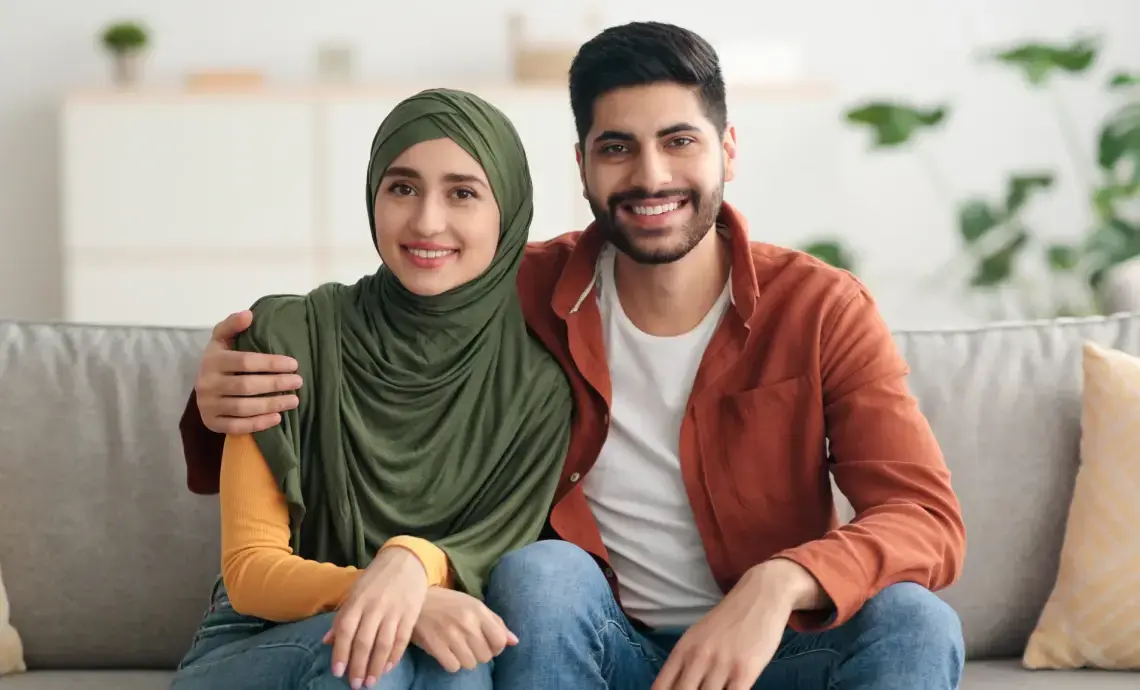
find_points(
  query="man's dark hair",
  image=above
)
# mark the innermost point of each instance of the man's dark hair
(644, 53)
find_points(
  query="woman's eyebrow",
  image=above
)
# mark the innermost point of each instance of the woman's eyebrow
(413, 174)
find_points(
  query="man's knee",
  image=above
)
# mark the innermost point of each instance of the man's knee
(917, 618)
(557, 573)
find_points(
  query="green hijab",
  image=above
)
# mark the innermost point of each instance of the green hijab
(438, 417)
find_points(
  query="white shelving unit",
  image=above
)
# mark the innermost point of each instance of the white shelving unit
(181, 207)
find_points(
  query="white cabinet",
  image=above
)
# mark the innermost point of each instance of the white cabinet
(179, 208)
(169, 175)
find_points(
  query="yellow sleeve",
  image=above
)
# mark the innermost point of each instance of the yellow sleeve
(263, 577)
(434, 558)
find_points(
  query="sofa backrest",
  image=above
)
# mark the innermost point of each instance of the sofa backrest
(108, 559)
(1005, 404)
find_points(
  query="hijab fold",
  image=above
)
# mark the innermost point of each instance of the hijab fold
(438, 417)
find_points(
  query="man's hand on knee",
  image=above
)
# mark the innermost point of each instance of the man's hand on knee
(732, 645)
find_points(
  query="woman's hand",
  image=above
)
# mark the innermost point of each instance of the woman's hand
(459, 631)
(374, 625)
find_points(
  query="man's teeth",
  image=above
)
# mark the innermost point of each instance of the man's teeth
(430, 253)
(656, 210)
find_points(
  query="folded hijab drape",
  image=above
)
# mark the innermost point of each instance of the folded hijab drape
(438, 417)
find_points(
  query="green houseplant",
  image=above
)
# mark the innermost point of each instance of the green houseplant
(126, 41)
(1002, 254)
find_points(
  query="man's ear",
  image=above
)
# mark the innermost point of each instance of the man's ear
(729, 144)
(581, 160)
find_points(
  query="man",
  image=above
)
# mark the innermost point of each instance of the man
(716, 382)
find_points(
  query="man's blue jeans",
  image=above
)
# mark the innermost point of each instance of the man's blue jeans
(573, 635)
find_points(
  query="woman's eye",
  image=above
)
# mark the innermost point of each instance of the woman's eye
(401, 189)
(464, 194)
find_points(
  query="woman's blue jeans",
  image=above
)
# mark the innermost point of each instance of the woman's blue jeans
(239, 652)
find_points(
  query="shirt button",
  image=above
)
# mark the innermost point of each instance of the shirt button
(606, 418)
(609, 573)
(575, 477)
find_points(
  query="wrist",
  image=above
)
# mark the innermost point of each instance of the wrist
(789, 584)
(404, 557)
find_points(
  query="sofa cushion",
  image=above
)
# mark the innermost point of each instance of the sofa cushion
(1093, 615)
(89, 680)
(1009, 675)
(108, 559)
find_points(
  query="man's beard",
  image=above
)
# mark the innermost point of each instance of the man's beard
(705, 209)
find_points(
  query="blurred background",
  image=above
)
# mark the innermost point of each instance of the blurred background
(166, 162)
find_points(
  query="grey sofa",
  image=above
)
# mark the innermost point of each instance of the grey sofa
(108, 559)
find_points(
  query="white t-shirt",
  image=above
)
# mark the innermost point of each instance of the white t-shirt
(635, 489)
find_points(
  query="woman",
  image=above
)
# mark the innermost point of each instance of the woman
(430, 435)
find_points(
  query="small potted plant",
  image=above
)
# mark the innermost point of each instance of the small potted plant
(127, 42)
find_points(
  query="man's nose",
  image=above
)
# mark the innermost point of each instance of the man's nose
(652, 172)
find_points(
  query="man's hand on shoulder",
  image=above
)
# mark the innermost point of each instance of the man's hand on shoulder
(228, 380)
(731, 646)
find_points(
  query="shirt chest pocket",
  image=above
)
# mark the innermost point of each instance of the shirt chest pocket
(769, 442)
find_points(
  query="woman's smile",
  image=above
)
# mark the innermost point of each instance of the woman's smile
(428, 255)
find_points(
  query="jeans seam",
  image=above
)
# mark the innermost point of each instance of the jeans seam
(799, 655)
(806, 652)
(621, 629)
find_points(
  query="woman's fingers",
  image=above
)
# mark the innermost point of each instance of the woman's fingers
(441, 652)
(344, 632)
(402, 635)
(495, 634)
(380, 653)
(460, 645)
(363, 649)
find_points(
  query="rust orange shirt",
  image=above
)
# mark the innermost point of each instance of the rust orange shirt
(801, 378)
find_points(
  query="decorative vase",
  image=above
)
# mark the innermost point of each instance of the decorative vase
(128, 67)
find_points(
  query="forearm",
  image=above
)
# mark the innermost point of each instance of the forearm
(787, 583)
(908, 524)
(856, 561)
(281, 587)
(433, 558)
(263, 577)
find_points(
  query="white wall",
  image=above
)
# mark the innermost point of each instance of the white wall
(921, 49)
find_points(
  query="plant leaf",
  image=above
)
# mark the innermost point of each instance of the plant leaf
(1020, 186)
(1038, 61)
(1120, 140)
(894, 124)
(1063, 257)
(998, 267)
(1123, 79)
(832, 252)
(975, 218)
(1115, 241)
(1106, 197)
